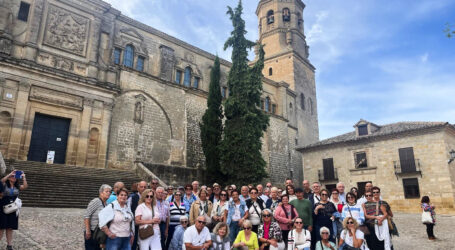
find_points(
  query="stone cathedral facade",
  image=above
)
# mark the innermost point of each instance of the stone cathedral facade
(98, 89)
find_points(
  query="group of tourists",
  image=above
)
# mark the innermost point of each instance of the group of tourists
(249, 217)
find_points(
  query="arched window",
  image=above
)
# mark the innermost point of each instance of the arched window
(267, 104)
(302, 101)
(187, 77)
(128, 57)
(270, 71)
(270, 17)
(286, 15)
(311, 105)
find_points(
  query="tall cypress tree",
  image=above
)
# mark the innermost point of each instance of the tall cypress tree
(245, 123)
(212, 125)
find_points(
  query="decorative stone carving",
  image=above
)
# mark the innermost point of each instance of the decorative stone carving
(66, 30)
(139, 112)
(63, 64)
(56, 97)
(167, 62)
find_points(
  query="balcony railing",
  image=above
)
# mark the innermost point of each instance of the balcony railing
(407, 167)
(328, 176)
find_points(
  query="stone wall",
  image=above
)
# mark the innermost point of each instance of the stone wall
(430, 148)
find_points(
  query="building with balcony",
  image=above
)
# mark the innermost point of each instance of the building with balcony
(407, 160)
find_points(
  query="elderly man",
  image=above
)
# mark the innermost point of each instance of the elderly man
(274, 200)
(306, 189)
(133, 202)
(195, 185)
(163, 208)
(368, 188)
(315, 197)
(341, 193)
(244, 193)
(216, 193)
(197, 236)
(154, 184)
(261, 194)
(117, 186)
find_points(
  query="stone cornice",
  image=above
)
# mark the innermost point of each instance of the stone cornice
(169, 38)
(264, 2)
(291, 92)
(281, 30)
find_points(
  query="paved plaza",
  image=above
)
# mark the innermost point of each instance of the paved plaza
(50, 228)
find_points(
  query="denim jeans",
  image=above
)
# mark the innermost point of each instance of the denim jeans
(91, 244)
(119, 243)
(233, 230)
(162, 232)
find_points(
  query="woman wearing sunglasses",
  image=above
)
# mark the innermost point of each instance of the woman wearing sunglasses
(351, 235)
(354, 210)
(376, 220)
(147, 215)
(269, 232)
(299, 238)
(324, 211)
(325, 243)
(220, 208)
(176, 210)
(246, 239)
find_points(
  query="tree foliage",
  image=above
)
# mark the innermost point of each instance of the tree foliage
(212, 125)
(241, 158)
(449, 30)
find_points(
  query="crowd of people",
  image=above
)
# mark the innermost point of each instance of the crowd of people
(249, 217)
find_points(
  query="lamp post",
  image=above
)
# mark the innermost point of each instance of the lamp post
(452, 155)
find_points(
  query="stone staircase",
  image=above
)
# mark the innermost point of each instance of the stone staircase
(62, 186)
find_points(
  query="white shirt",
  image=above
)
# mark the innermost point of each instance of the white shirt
(348, 239)
(264, 197)
(316, 198)
(192, 236)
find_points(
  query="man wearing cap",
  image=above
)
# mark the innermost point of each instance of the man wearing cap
(216, 193)
(304, 209)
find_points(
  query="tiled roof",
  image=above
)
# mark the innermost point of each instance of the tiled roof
(389, 129)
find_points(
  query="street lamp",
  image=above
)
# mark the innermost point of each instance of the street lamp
(452, 155)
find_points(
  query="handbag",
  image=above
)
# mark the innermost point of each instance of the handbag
(146, 231)
(427, 218)
(10, 208)
(98, 235)
(345, 246)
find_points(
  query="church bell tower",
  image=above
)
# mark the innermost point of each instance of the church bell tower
(281, 30)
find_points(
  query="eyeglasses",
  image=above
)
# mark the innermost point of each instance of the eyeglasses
(298, 222)
(350, 222)
(376, 192)
(184, 221)
(246, 228)
(324, 194)
(223, 194)
(324, 233)
(368, 195)
(202, 222)
(149, 196)
(154, 183)
(350, 197)
(266, 215)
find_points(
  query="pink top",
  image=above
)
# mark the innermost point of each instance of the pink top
(146, 214)
(119, 226)
(282, 218)
(267, 230)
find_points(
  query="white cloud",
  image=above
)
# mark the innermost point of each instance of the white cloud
(424, 58)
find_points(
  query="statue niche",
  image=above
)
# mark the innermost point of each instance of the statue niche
(139, 112)
(66, 31)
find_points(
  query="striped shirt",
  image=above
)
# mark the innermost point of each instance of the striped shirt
(92, 211)
(175, 212)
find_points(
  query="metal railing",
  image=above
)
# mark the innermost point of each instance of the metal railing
(407, 167)
(323, 176)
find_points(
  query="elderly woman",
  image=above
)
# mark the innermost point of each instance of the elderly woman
(201, 207)
(246, 238)
(176, 210)
(11, 189)
(299, 238)
(274, 200)
(147, 215)
(91, 216)
(177, 238)
(220, 237)
(255, 206)
(324, 243)
(269, 232)
(351, 235)
(120, 232)
(324, 213)
(285, 214)
(237, 213)
(220, 208)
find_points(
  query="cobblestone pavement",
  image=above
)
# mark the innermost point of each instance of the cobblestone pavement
(49, 228)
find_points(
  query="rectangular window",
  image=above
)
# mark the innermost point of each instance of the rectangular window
(117, 53)
(273, 108)
(23, 11)
(363, 129)
(140, 63)
(407, 161)
(329, 170)
(411, 188)
(178, 76)
(361, 160)
(196, 82)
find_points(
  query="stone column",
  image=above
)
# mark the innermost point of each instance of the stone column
(84, 132)
(17, 127)
(104, 135)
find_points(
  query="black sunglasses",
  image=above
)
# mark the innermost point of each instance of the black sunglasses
(350, 222)
(298, 222)
(266, 215)
(246, 228)
(223, 194)
(368, 195)
(202, 222)
(149, 196)
(376, 192)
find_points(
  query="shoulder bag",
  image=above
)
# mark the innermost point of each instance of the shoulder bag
(147, 231)
(98, 234)
(10, 208)
(426, 217)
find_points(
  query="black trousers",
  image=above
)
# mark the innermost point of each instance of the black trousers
(430, 229)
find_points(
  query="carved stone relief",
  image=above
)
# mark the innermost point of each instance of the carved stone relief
(56, 97)
(66, 30)
(167, 62)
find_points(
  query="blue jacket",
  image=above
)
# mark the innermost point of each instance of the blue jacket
(231, 210)
(177, 239)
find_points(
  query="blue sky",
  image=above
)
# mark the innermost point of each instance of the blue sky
(383, 61)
